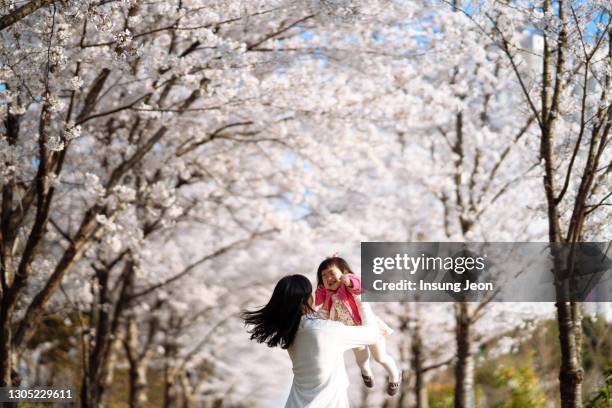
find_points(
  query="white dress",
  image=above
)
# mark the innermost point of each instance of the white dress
(340, 313)
(317, 354)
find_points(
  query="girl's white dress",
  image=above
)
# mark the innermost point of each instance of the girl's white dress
(340, 313)
(317, 354)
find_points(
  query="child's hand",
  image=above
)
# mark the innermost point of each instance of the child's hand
(345, 279)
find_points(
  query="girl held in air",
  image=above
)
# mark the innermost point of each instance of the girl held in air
(338, 292)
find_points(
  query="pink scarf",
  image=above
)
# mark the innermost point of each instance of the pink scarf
(345, 295)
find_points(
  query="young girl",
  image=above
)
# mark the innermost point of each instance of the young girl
(338, 292)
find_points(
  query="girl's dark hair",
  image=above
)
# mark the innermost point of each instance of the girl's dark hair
(277, 322)
(336, 261)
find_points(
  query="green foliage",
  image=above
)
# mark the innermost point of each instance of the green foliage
(527, 379)
(597, 344)
(603, 399)
(441, 395)
(522, 385)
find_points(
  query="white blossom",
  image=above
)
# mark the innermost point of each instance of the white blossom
(55, 143)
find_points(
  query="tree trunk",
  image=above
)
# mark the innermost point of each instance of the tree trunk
(138, 367)
(464, 367)
(105, 325)
(138, 384)
(5, 348)
(568, 316)
(569, 320)
(109, 374)
(570, 339)
(169, 375)
(8, 355)
(570, 373)
(405, 391)
(420, 389)
(188, 391)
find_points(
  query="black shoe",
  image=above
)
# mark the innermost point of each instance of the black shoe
(393, 387)
(368, 381)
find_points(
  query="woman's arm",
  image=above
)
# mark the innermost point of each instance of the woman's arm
(353, 336)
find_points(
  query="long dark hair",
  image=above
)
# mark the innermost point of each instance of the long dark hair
(336, 261)
(277, 322)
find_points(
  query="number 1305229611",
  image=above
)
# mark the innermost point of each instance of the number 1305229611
(12, 394)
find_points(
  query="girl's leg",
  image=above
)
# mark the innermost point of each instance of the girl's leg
(379, 352)
(362, 357)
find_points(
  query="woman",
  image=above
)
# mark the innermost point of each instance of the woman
(316, 346)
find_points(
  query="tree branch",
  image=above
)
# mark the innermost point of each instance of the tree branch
(22, 12)
(205, 258)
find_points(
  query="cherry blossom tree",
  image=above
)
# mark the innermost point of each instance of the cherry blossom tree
(566, 87)
(163, 164)
(128, 93)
